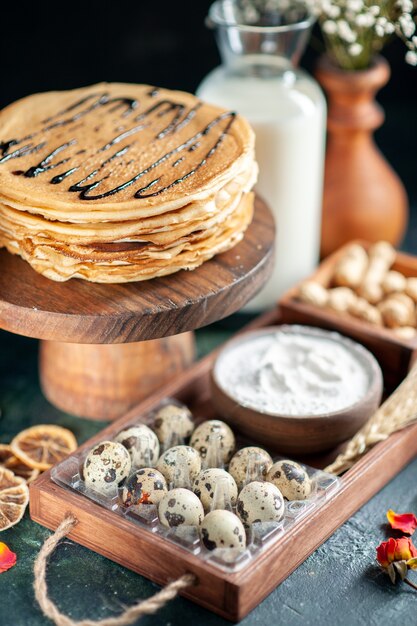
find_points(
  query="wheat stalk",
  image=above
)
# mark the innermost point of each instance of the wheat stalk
(396, 413)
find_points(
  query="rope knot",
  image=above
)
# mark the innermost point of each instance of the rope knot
(145, 607)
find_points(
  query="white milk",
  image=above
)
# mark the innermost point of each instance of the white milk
(288, 116)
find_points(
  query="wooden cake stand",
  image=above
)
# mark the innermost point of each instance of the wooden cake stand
(105, 347)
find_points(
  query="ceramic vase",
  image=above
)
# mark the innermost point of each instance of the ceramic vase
(363, 196)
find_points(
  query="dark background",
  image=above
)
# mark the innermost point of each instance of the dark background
(57, 45)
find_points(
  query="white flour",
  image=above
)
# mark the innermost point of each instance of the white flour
(292, 374)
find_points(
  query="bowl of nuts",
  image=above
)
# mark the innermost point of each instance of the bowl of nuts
(367, 292)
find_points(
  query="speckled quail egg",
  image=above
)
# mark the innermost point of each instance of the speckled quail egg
(180, 507)
(222, 529)
(135, 439)
(145, 486)
(260, 502)
(291, 479)
(105, 466)
(238, 466)
(180, 465)
(171, 418)
(205, 485)
(200, 439)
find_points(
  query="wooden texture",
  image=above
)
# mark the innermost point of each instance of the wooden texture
(82, 312)
(363, 196)
(103, 381)
(230, 595)
(394, 354)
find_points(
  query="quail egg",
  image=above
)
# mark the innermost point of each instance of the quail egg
(105, 466)
(260, 502)
(180, 465)
(172, 418)
(205, 485)
(180, 507)
(238, 466)
(222, 529)
(141, 443)
(145, 486)
(291, 479)
(200, 439)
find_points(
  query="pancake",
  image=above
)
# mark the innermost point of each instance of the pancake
(118, 182)
(63, 263)
(111, 145)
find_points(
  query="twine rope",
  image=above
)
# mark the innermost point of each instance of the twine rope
(145, 607)
(396, 413)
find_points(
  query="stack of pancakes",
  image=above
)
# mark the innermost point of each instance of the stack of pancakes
(118, 182)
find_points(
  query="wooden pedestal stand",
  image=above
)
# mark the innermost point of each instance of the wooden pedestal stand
(140, 323)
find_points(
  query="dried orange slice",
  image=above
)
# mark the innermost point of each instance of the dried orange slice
(42, 446)
(21, 469)
(14, 497)
(5, 453)
(11, 462)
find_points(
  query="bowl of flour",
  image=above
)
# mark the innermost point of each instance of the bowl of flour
(296, 388)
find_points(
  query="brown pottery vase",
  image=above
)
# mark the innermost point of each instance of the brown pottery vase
(363, 197)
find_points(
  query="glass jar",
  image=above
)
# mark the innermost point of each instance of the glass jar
(260, 79)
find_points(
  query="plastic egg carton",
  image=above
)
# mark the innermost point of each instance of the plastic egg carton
(259, 535)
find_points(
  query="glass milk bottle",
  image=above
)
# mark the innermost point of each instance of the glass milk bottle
(259, 78)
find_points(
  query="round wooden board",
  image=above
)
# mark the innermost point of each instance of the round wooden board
(81, 312)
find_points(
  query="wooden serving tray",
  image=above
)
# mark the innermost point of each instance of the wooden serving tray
(231, 595)
(395, 354)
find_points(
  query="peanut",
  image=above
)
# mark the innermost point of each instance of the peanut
(351, 267)
(405, 332)
(397, 310)
(381, 257)
(372, 292)
(313, 293)
(340, 299)
(394, 282)
(365, 311)
(411, 288)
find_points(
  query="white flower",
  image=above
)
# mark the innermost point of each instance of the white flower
(350, 21)
(326, 7)
(407, 25)
(405, 5)
(389, 28)
(411, 57)
(364, 20)
(329, 27)
(314, 7)
(333, 11)
(355, 49)
(345, 32)
(354, 5)
(380, 26)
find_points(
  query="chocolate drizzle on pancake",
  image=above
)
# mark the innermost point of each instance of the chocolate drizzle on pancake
(46, 164)
(85, 188)
(60, 177)
(20, 152)
(199, 148)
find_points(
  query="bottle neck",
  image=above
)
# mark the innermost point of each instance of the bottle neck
(266, 48)
(260, 66)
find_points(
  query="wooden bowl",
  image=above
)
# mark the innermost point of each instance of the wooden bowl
(394, 354)
(305, 434)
